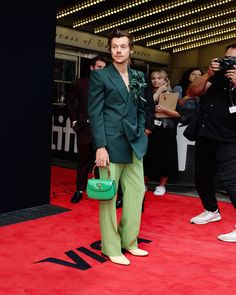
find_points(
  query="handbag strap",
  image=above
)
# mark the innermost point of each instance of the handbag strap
(107, 168)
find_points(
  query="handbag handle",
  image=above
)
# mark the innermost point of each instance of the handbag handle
(107, 168)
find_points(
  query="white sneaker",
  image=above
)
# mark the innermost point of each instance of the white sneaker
(230, 237)
(159, 191)
(206, 217)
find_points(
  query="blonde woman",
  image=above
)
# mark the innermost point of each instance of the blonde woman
(161, 160)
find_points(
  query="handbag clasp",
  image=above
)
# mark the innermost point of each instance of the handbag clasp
(99, 185)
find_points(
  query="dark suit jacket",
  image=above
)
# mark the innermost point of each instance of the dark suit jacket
(77, 105)
(149, 107)
(116, 121)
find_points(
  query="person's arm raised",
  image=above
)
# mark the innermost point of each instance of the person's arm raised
(200, 85)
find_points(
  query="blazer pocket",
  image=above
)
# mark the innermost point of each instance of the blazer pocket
(110, 131)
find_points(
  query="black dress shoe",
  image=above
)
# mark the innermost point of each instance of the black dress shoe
(119, 204)
(76, 197)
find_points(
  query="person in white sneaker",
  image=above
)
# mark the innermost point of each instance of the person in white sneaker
(206, 217)
(161, 160)
(160, 190)
(215, 154)
(229, 237)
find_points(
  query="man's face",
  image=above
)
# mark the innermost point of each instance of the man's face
(98, 65)
(120, 50)
(231, 52)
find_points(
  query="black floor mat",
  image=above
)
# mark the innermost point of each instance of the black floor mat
(30, 214)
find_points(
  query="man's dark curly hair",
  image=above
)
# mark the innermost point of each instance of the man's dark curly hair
(117, 33)
(231, 46)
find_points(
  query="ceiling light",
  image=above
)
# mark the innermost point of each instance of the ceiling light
(192, 31)
(184, 24)
(175, 16)
(72, 9)
(197, 37)
(130, 4)
(205, 42)
(155, 10)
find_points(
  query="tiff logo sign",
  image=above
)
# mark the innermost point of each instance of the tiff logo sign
(78, 262)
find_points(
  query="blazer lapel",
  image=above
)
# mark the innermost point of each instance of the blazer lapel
(118, 82)
(130, 102)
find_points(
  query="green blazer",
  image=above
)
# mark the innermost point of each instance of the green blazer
(117, 122)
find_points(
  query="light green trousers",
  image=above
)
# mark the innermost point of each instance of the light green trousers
(114, 236)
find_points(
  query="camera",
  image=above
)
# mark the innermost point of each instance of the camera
(227, 63)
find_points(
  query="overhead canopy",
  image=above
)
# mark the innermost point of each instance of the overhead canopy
(85, 40)
(165, 25)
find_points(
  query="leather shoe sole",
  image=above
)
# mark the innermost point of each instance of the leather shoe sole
(138, 252)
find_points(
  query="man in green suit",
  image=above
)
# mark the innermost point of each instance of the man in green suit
(117, 122)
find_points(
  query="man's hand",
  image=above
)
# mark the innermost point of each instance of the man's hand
(102, 157)
(213, 67)
(148, 132)
(231, 74)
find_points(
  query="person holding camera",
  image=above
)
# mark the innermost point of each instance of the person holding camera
(215, 154)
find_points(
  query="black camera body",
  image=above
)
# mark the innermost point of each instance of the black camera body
(227, 63)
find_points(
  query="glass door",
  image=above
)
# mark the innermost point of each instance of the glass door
(65, 72)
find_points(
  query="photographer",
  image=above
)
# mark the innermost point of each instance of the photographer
(216, 144)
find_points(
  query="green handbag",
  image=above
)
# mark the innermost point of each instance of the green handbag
(101, 189)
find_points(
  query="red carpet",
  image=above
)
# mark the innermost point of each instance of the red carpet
(184, 258)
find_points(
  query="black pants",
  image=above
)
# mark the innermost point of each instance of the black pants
(215, 160)
(85, 160)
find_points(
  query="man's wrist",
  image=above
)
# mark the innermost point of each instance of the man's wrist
(101, 148)
(210, 73)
